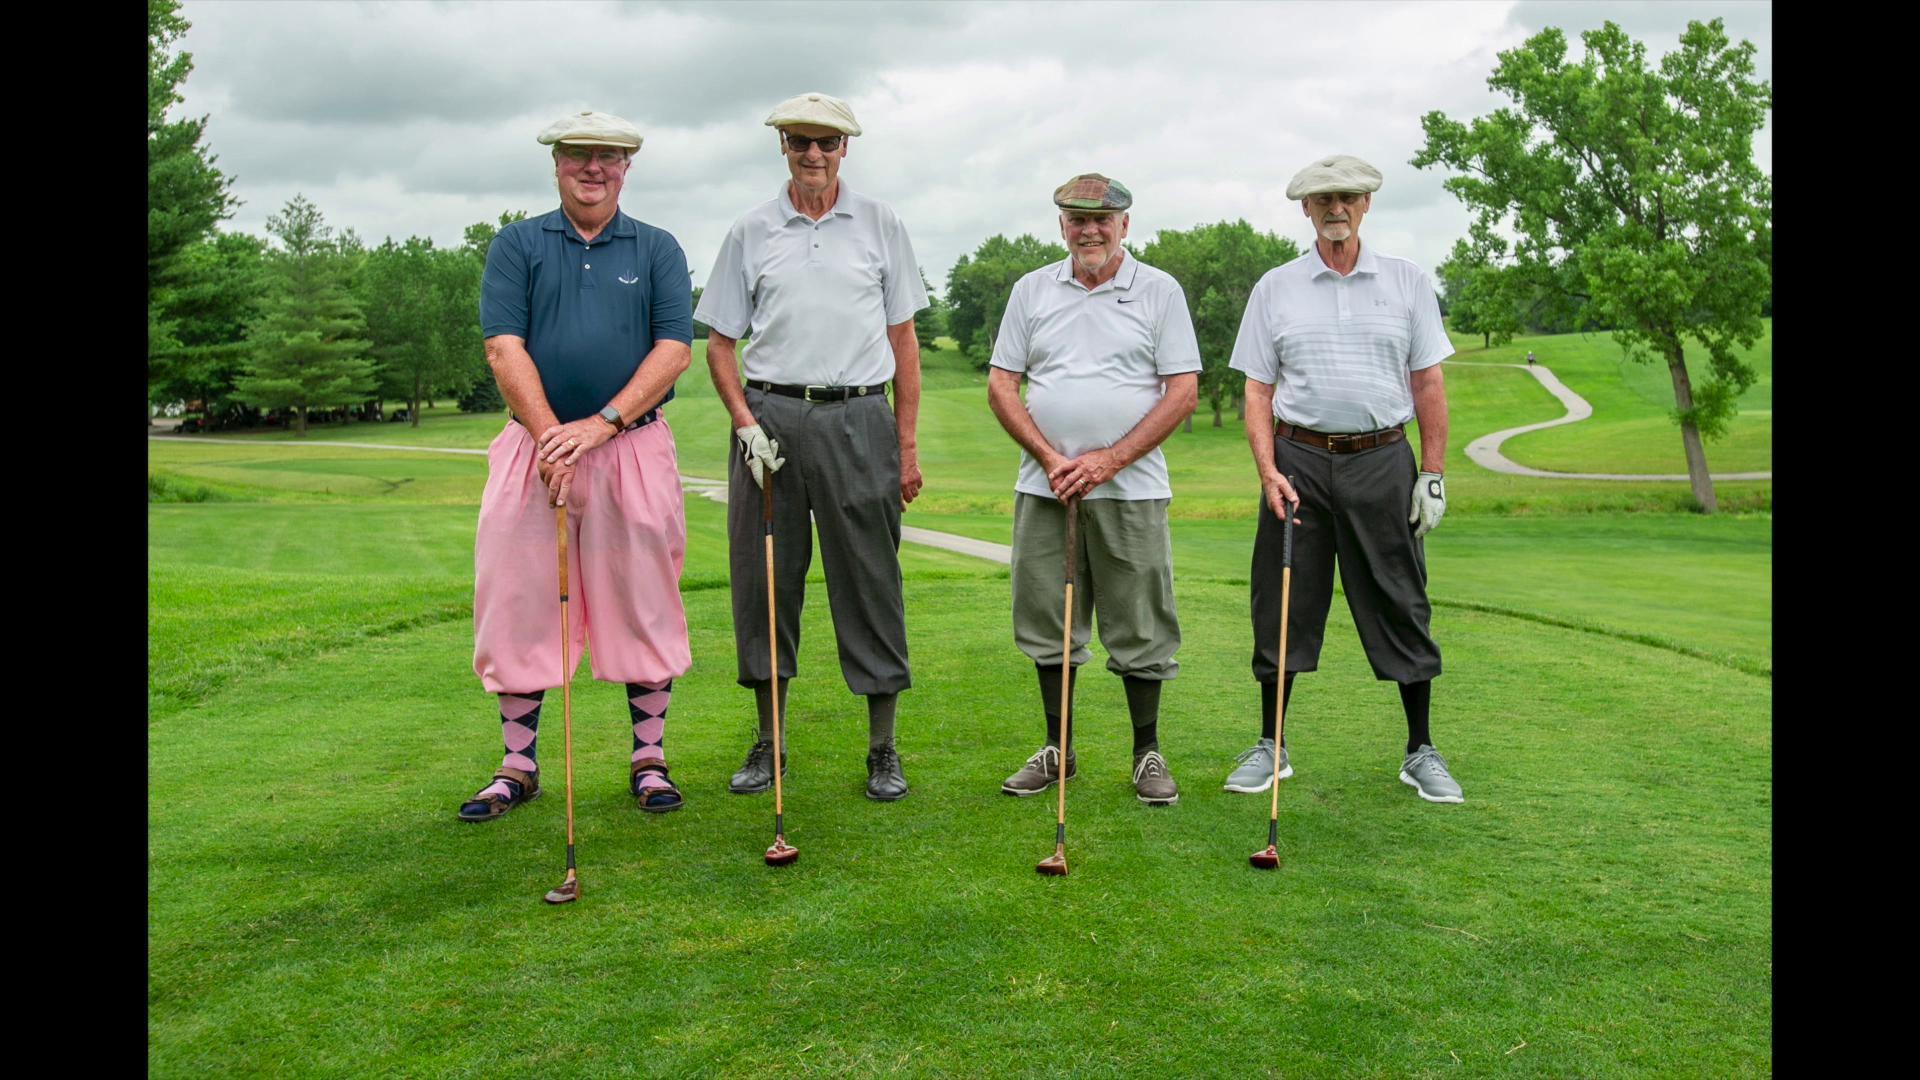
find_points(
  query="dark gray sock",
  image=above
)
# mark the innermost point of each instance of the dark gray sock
(1268, 693)
(1415, 697)
(880, 715)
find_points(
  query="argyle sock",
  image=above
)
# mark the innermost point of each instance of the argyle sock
(520, 730)
(1415, 697)
(648, 706)
(1268, 692)
(1050, 698)
(763, 703)
(881, 709)
(1143, 706)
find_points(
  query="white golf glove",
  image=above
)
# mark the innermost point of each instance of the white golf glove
(759, 451)
(1429, 503)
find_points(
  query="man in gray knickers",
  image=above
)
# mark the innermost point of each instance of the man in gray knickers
(825, 283)
(1341, 347)
(1106, 346)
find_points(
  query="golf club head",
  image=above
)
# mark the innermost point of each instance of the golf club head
(1268, 859)
(1054, 864)
(567, 893)
(781, 853)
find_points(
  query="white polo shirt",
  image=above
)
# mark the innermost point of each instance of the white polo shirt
(1338, 350)
(1093, 361)
(816, 297)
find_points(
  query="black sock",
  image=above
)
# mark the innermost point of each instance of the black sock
(1050, 697)
(1415, 697)
(1269, 691)
(1143, 706)
(763, 703)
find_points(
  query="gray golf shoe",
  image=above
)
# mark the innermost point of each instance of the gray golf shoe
(1040, 772)
(1426, 772)
(1152, 783)
(1254, 773)
(756, 775)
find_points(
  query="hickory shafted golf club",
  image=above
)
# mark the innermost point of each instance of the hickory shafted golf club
(1270, 858)
(781, 853)
(1056, 863)
(569, 889)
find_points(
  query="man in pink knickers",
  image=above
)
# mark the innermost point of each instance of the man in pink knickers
(588, 319)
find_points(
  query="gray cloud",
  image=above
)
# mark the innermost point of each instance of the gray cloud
(420, 118)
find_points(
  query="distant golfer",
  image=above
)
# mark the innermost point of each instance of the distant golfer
(588, 320)
(1107, 349)
(1341, 347)
(824, 281)
(1529, 357)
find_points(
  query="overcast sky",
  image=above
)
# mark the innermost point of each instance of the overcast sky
(419, 118)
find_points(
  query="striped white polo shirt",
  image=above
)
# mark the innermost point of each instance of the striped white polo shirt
(1338, 350)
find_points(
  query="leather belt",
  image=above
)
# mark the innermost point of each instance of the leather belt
(1339, 444)
(819, 393)
(646, 418)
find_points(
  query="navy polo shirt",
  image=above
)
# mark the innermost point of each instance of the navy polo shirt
(589, 313)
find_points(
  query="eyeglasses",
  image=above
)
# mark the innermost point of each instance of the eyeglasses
(607, 159)
(827, 144)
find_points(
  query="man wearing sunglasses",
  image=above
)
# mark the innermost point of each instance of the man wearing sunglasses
(587, 315)
(1341, 347)
(824, 284)
(1106, 347)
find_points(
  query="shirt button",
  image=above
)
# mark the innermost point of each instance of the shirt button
(588, 266)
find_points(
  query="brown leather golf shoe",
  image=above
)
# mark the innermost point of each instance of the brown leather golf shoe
(1041, 772)
(508, 789)
(1152, 783)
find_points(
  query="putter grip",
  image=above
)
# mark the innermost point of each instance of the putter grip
(1286, 534)
(766, 502)
(560, 526)
(1073, 534)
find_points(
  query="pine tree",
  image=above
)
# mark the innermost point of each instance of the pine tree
(309, 347)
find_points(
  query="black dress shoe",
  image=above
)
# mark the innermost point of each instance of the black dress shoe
(884, 779)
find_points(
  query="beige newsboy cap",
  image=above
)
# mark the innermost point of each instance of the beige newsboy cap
(1341, 172)
(823, 110)
(592, 129)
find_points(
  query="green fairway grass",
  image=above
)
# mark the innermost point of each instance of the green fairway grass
(1600, 906)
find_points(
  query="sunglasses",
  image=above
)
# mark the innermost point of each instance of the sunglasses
(827, 144)
(608, 159)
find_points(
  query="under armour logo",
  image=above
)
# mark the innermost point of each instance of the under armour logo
(624, 280)
(1380, 303)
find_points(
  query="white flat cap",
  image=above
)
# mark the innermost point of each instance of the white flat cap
(1341, 172)
(592, 129)
(823, 110)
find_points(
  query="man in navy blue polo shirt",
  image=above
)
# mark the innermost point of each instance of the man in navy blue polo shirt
(588, 319)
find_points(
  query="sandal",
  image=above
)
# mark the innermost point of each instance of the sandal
(488, 804)
(654, 798)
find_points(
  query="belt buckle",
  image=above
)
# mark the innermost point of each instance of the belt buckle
(806, 394)
(1341, 443)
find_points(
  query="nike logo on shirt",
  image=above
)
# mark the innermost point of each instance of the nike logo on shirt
(1125, 300)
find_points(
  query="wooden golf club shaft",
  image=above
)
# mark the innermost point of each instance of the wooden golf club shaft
(1280, 695)
(1066, 669)
(566, 675)
(773, 653)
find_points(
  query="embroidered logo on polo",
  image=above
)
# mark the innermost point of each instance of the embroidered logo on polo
(625, 280)
(1128, 300)
(1381, 303)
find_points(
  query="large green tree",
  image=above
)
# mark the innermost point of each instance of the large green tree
(186, 194)
(1217, 266)
(210, 294)
(420, 303)
(1636, 186)
(979, 285)
(309, 348)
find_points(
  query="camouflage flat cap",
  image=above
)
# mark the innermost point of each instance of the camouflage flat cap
(1341, 172)
(591, 129)
(1091, 191)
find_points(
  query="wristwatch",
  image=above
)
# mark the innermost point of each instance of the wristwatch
(612, 416)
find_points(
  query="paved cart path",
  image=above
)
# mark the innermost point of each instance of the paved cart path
(1485, 450)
